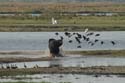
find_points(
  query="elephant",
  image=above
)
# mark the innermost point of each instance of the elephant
(54, 47)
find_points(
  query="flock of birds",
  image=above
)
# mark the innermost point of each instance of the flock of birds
(14, 66)
(79, 37)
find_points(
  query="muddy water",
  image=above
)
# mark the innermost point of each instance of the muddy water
(74, 61)
(57, 78)
(39, 41)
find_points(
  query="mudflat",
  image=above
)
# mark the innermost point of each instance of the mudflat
(96, 70)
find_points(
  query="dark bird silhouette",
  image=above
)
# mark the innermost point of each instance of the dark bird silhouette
(56, 33)
(89, 42)
(84, 37)
(96, 76)
(102, 42)
(97, 34)
(96, 40)
(87, 39)
(25, 65)
(70, 41)
(79, 46)
(7, 66)
(67, 34)
(74, 33)
(92, 44)
(89, 34)
(79, 35)
(14, 66)
(77, 39)
(113, 43)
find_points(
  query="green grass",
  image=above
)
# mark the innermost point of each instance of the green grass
(73, 23)
(76, 20)
(111, 53)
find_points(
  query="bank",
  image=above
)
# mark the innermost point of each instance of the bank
(46, 28)
(96, 70)
(98, 53)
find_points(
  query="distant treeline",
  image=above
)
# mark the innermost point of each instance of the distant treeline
(62, 0)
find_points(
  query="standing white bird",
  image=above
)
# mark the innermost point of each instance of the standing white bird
(54, 21)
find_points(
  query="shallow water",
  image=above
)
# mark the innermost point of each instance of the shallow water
(39, 41)
(57, 78)
(74, 61)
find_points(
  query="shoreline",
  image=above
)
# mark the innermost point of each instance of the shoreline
(13, 56)
(95, 70)
(58, 27)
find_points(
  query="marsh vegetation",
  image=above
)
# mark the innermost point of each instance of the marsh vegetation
(71, 23)
(68, 15)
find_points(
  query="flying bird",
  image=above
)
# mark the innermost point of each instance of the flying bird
(86, 30)
(68, 34)
(79, 46)
(92, 44)
(70, 41)
(84, 37)
(89, 34)
(97, 34)
(102, 42)
(77, 39)
(56, 33)
(113, 43)
(79, 35)
(87, 39)
(96, 40)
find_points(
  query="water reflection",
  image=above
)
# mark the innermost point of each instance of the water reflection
(76, 61)
(55, 63)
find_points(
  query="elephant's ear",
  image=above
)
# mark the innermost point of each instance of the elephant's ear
(51, 39)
